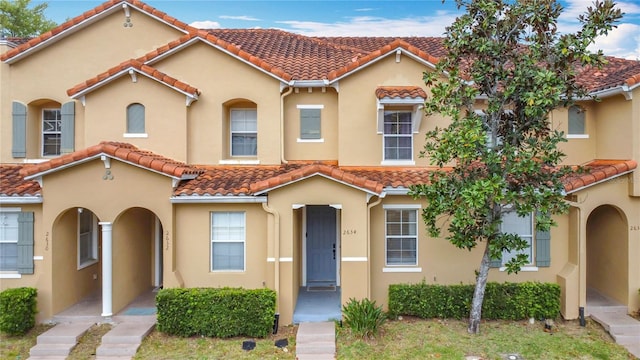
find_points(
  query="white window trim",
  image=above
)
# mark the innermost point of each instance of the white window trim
(528, 268)
(231, 132)
(42, 132)
(244, 244)
(94, 241)
(135, 135)
(406, 267)
(239, 162)
(302, 106)
(7, 274)
(577, 136)
(399, 161)
(532, 264)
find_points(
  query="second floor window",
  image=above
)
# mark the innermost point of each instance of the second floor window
(576, 122)
(135, 119)
(51, 132)
(244, 132)
(398, 135)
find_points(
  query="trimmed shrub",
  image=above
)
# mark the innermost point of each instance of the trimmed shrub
(216, 312)
(18, 308)
(363, 317)
(509, 301)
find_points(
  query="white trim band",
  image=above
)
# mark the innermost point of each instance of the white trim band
(286, 259)
(270, 259)
(10, 276)
(401, 270)
(354, 258)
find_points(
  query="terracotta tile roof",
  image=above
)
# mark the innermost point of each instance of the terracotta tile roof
(98, 10)
(400, 92)
(615, 73)
(123, 151)
(595, 171)
(122, 70)
(12, 183)
(251, 180)
(15, 41)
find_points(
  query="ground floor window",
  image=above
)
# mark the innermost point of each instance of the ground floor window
(87, 238)
(523, 227)
(228, 234)
(401, 236)
(8, 241)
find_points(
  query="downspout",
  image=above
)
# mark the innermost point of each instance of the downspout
(276, 250)
(369, 241)
(285, 94)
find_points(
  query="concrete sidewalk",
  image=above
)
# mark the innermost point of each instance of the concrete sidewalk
(316, 341)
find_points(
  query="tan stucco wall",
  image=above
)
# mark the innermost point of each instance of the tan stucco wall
(223, 80)
(193, 246)
(83, 186)
(311, 150)
(441, 262)
(318, 190)
(577, 150)
(358, 111)
(72, 60)
(615, 195)
(132, 256)
(41, 278)
(165, 116)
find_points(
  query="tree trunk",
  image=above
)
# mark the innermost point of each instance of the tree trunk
(478, 294)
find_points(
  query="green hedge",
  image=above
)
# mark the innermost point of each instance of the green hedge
(18, 308)
(509, 301)
(216, 312)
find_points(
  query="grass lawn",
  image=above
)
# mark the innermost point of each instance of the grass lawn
(409, 338)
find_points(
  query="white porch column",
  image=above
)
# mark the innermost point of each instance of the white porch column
(107, 267)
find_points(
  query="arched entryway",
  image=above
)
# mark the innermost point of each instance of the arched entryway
(134, 260)
(608, 253)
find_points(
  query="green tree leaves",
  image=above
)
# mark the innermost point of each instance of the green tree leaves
(18, 20)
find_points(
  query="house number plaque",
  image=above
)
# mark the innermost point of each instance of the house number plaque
(349, 232)
(634, 228)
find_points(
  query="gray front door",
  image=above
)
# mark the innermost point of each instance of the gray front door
(321, 245)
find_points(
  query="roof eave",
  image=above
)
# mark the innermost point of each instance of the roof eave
(598, 182)
(218, 199)
(17, 200)
(261, 192)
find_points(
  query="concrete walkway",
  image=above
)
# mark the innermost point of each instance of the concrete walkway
(613, 317)
(57, 342)
(316, 341)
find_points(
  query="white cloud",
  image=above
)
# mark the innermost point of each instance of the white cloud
(206, 24)
(623, 42)
(243, 17)
(374, 26)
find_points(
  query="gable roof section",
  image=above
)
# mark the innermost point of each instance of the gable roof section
(85, 19)
(597, 171)
(120, 151)
(400, 92)
(125, 69)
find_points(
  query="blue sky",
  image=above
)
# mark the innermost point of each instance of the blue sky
(355, 18)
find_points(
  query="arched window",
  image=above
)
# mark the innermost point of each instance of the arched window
(576, 121)
(135, 119)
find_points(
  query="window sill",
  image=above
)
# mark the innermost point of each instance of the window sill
(227, 271)
(522, 269)
(239, 162)
(401, 269)
(10, 275)
(577, 136)
(132, 135)
(310, 140)
(397, 162)
(87, 264)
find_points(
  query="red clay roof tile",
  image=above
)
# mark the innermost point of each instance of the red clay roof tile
(400, 92)
(12, 183)
(595, 171)
(121, 151)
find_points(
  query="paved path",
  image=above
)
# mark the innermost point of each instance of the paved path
(316, 341)
(624, 329)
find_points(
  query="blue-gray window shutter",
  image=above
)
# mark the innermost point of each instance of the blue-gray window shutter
(19, 130)
(543, 248)
(495, 263)
(25, 243)
(309, 123)
(68, 117)
(135, 119)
